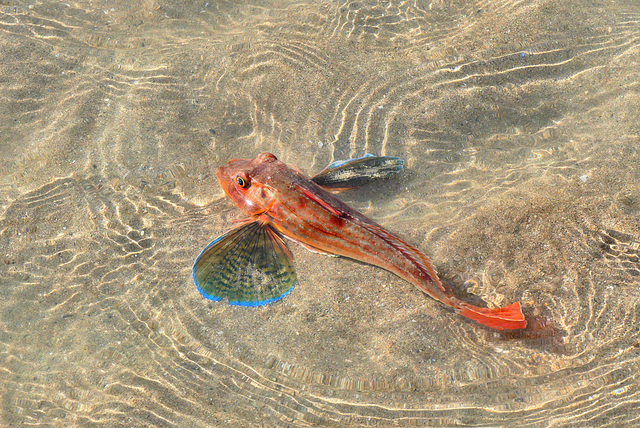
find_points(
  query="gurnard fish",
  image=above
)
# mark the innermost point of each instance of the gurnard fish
(251, 264)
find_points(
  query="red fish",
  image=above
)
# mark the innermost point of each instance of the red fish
(251, 265)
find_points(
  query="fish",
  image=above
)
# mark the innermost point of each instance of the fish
(251, 264)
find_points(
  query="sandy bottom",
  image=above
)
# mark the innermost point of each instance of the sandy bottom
(519, 124)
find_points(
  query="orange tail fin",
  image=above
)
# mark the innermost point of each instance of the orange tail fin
(509, 318)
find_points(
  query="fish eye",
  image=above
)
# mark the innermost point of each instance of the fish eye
(242, 182)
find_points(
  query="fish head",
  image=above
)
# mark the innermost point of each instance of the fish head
(249, 182)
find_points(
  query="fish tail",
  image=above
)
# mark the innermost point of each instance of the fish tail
(506, 318)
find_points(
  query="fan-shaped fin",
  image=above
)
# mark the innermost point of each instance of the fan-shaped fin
(346, 174)
(249, 265)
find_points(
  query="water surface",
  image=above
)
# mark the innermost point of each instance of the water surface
(518, 121)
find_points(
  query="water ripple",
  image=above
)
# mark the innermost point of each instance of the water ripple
(517, 125)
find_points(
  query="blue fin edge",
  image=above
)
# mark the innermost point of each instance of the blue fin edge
(339, 163)
(217, 299)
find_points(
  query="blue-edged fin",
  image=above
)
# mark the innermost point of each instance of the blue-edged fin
(346, 174)
(249, 265)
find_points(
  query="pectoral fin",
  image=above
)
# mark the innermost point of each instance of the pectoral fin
(346, 174)
(249, 265)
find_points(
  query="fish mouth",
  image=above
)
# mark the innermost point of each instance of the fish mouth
(226, 180)
(222, 174)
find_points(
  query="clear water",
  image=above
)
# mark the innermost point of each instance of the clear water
(519, 122)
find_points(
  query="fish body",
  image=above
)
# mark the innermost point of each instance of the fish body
(284, 200)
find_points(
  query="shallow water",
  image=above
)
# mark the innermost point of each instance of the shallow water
(519, 124)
